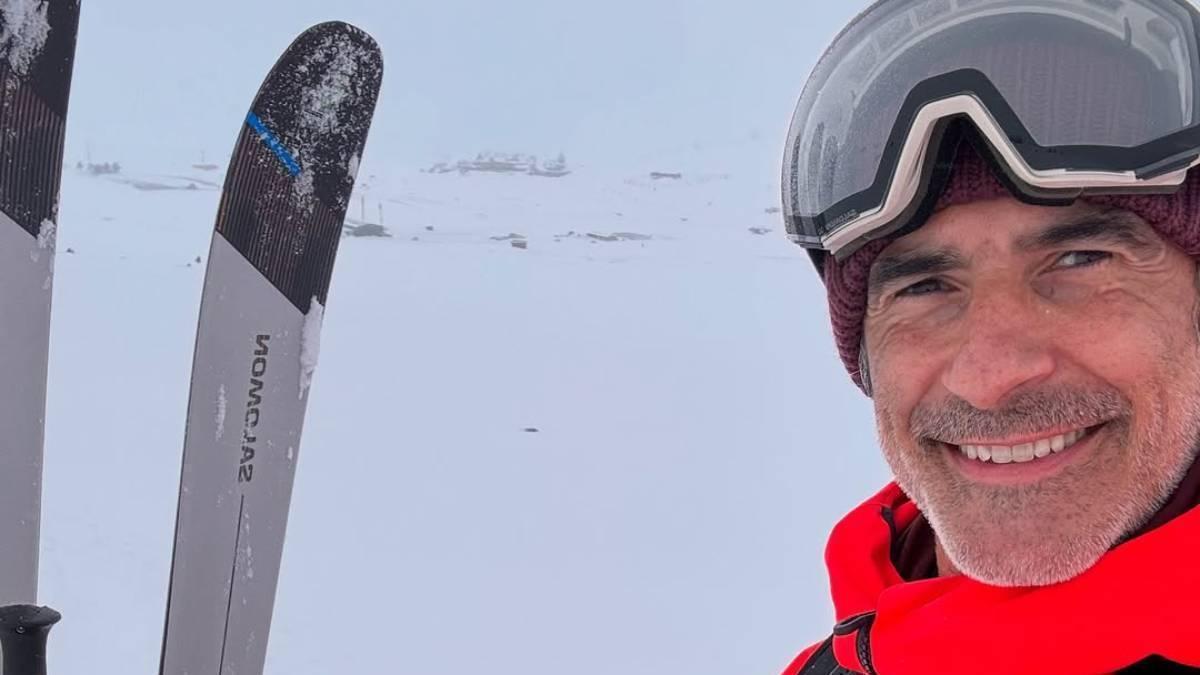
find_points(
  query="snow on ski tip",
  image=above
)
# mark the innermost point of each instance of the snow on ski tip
(47, 234)
(322, 107)
(24, 32)
(310, 344)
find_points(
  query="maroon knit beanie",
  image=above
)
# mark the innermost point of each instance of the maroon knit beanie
(1176, 217)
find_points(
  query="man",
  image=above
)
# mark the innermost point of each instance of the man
(999, 197)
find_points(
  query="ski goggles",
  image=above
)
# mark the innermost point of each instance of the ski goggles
(1067, 98)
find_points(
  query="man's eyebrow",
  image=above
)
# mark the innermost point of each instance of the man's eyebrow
(1111, 227)
(888, 269)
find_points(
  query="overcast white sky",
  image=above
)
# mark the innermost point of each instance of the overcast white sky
(606, 82)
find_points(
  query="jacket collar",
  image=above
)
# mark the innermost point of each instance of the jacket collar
(1142, 598)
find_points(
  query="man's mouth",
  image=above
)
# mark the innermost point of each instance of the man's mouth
(1022, 460)
(1032, 457)
(1025, 452)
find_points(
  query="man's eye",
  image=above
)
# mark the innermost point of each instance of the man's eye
(1082, 258)
(923, 287)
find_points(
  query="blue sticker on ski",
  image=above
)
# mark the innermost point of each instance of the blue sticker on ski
(273, 142)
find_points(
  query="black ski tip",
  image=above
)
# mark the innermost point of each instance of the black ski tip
(56, 62)
(319, 102)
(37, 54)
(37, 46)
(294, 167)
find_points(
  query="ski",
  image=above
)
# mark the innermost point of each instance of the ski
(37, 53)
(278, 225)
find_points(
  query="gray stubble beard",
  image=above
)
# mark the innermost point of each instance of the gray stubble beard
(1071, 521)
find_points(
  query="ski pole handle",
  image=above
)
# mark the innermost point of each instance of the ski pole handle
(23, 632)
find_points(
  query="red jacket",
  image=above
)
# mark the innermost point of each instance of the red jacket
(1142, 599)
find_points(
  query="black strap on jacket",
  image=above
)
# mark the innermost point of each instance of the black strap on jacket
(1157, 665)
(823, 662)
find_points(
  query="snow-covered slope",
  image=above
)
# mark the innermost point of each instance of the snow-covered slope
(595, 455)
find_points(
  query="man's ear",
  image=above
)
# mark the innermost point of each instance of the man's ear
(1196, 307)
(864, 366)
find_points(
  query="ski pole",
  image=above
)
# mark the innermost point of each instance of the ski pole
(23, 632)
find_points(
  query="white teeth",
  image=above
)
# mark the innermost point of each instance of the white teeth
(1027, 452)
(1023, 452)
(1058, 443)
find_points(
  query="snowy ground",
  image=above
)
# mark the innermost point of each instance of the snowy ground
(696, 435)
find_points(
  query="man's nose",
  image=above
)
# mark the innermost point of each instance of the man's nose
(1004, 346)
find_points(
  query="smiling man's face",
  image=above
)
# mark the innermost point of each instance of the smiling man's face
(1037, 382)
